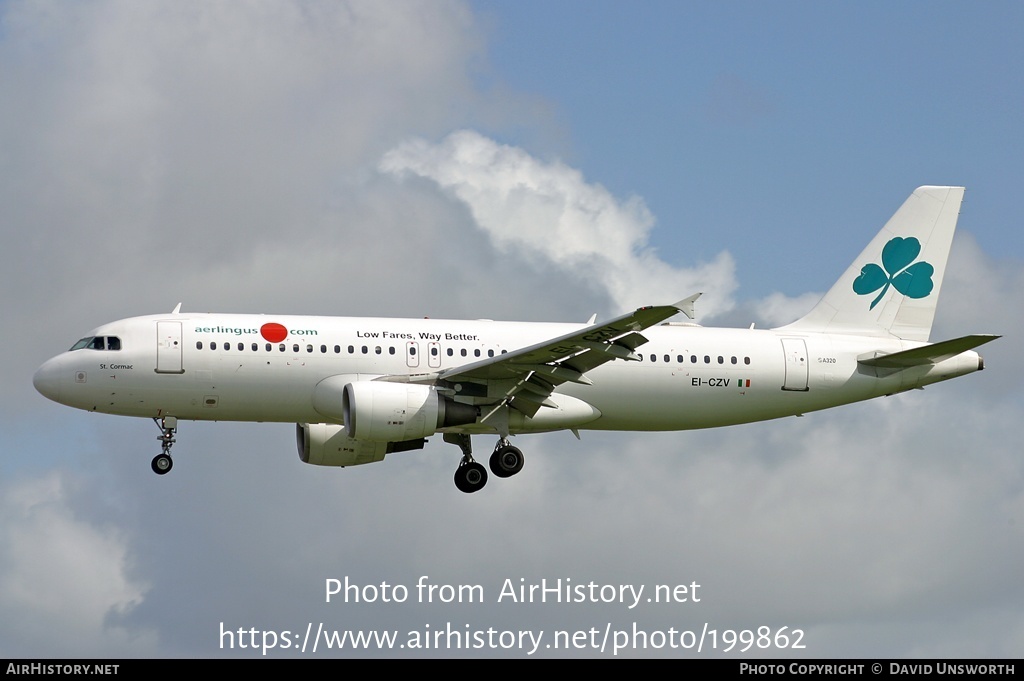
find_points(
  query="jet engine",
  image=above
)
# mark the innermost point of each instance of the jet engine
(381, 411)
(327, 444)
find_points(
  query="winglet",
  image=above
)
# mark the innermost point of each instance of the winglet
(686, 304)
(177, 309)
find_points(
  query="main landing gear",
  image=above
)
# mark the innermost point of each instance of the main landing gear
(162, 462)
(506, 460)
(471, 476)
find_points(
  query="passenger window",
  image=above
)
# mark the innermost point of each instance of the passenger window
(450, 352)
(464, 352)
(295, 347)
(490, 353)
(679, 359)
(213, 345)
(255, 347)
(667, 359)
(323, 349)
(377, 349)
(693, 359)
(733, 360)
(433, 352)
(654, 358)
(707, 359)
(351, 349)
(281, 347)
(365, 349)
(241, 347)
(269, 346)
(746, 360)
(721, 360)
(337, 349)
(199, 345)
(412, 350)
(476, 353)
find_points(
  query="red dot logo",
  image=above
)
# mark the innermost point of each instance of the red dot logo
(273, 332)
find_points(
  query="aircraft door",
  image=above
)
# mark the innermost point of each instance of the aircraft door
(795, 350)
(412, 354)
(168, 348)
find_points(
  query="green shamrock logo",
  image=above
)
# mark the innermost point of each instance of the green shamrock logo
(913, 281)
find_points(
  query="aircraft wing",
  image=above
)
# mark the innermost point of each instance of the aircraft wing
(525, 378)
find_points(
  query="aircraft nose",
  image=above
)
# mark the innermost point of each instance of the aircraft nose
(47, 380)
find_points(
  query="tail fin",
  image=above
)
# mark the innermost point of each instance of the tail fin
(892, 288)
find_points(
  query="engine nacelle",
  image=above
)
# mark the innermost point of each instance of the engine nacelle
(327, 444)
(394, 412)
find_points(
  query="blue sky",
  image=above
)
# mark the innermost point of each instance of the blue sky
(531, 161)
(740, 124)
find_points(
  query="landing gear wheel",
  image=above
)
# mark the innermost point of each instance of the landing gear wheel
(506, 461)
(470, 477)
(162, 464)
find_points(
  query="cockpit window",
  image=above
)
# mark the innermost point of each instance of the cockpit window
(98, 343)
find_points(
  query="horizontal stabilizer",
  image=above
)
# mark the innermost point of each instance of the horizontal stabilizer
(927, 354)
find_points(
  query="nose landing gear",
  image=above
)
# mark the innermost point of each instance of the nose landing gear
(162, 462)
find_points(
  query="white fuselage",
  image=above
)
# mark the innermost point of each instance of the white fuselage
(236, 368)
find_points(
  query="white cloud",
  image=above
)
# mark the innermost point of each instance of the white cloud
(64, 581)
(156, 152)
(775, 309)
(547, 212)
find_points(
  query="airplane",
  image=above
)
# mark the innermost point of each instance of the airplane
(359, 389)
